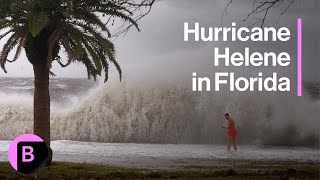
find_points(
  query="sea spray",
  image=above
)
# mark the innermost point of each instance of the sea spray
(171, 113)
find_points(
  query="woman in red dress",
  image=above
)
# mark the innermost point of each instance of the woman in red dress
(231, 132)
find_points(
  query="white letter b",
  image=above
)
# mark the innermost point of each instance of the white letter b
(28, 153)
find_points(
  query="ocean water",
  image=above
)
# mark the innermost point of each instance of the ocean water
(169, 113)
(64, 92)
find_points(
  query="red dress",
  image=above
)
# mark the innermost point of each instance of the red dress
(232, 132)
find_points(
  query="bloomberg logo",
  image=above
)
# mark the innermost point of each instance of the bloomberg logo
(28, 153)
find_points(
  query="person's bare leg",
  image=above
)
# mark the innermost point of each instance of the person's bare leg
(234, 143)
(229, 142)
(233, 140)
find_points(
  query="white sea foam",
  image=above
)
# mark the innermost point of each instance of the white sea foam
(173, 114)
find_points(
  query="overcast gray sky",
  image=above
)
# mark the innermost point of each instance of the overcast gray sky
(160, 52)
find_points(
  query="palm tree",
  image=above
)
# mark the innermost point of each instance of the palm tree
(45, 28)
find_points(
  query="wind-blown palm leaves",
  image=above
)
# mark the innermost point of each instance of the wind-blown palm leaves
(43, 28)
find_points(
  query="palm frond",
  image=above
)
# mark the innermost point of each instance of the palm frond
(44, 28)
(52, 41)
(7, 47)
(37, 21)
(20, 46)
(5, 34)
(66, 44)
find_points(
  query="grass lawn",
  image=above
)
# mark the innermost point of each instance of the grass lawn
(244, 170)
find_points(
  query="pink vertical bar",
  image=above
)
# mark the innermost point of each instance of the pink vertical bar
(299, 68)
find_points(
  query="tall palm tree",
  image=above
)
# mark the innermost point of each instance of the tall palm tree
(43, 28)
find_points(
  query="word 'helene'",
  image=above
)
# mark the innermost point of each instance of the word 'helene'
(253, 59)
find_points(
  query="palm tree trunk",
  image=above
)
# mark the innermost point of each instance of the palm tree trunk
(41, 104)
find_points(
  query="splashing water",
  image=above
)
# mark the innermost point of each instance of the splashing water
(172, 114)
